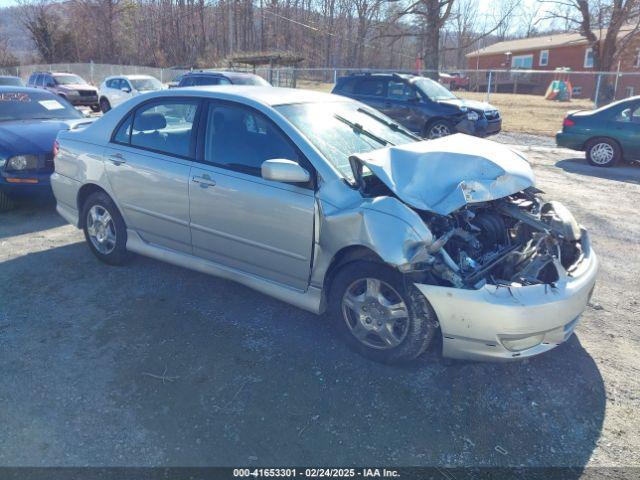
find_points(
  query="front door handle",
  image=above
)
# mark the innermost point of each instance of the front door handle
(117, 159)
(204, 180)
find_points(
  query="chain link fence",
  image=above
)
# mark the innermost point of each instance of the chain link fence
(601, 87)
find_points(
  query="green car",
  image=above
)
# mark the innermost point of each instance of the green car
(608, 134)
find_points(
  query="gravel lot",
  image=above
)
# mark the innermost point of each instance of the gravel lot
(150, 364)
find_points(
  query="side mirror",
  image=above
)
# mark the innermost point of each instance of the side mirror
(286, 171)
(126, 89)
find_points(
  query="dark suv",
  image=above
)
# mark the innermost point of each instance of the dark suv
(196, 79)
(69, 86)
(421, 105)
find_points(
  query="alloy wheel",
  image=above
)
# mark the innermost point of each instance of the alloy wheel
(602, 153)
(439, 130)
(375, 313)
(101, 229)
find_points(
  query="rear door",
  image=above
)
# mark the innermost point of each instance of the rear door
(372, 90)
(148, 163)
(240, 220)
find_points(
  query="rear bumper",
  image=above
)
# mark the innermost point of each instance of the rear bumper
(480, 324)
(570, 140)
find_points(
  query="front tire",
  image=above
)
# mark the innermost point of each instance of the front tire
(105, 106)
(95, 108)
(603, 152)
(438, 129)
(378, 316)
(104, 229)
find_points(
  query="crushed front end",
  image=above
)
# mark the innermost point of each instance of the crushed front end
(507, 278)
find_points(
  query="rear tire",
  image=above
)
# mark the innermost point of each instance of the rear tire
(104, 229)
(603, 152)
(105, 106)
(378, 315)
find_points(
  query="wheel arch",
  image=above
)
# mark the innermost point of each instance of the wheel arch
(85, 191)
(433, 120)
(343, 257)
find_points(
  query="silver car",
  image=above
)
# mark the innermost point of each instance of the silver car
(327, 204)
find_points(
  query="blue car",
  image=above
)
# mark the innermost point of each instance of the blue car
(421, 105)
(30, 120)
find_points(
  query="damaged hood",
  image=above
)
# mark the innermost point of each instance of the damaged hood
(445, 174)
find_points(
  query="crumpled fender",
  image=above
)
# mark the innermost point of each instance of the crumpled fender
(383, 224)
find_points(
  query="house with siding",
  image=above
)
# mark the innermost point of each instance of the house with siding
(550, 52)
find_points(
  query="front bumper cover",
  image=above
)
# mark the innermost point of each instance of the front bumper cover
(475, 323)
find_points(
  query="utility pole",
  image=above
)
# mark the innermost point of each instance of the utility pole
(232, 26)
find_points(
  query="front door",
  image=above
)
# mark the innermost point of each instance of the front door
(148, 163)
(627, 131)
(240, 220)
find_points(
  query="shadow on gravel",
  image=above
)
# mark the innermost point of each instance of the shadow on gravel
(624, 173)
(29, 217)
(150, 364)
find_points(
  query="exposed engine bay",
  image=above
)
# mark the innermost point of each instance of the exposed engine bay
(516, 240)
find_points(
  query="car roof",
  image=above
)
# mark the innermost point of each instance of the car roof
(266, 95)
(16, 89)
(380, 74)
(131, 77)
(221, 73)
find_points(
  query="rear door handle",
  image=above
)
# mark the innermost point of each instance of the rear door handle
(204, 180)
(117, 159)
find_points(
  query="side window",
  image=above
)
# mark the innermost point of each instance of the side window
(202, 81)
(32, 79)
(123, 134)
(111, 83)
(241, 139)
(39, 80)
(399, 90)
(371, 86)
(165, 126)
(224, 81)
(124, 83)
(186, 81)
(630, 114)
(346, 85)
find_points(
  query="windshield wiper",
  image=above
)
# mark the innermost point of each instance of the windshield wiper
(393, 126)
(364, 131)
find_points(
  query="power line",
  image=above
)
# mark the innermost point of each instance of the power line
(331, 34)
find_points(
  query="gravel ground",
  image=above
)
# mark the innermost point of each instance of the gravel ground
(150, 364)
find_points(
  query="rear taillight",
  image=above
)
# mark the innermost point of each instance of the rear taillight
(568, 122)
(56, 149)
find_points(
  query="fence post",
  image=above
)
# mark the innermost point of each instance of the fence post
(489, 85)
(596, 98)
(335, 76)
(161, 75)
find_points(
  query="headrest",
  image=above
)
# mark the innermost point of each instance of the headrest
(149, 121)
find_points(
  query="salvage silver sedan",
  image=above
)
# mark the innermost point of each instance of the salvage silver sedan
(325, 203)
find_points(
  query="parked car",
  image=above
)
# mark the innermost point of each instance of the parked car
(421, 105)
(454, 80)
(608, 135)
(323, 202)
(30, 119)
(208, 77)
(72, 88)
(120, 88)
(9, 81)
